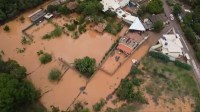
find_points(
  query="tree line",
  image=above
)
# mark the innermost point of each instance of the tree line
(10, 8)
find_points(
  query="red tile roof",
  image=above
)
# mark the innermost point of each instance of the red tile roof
(124, 48)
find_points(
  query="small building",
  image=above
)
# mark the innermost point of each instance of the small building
(159, 17)
(129, 42)
(148, 25)
(37, 16)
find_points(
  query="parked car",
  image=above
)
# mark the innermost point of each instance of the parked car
(171, 17)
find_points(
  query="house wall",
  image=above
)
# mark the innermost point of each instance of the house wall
(123, 3)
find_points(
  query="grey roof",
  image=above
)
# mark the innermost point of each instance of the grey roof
(37, 16)
(158, 17)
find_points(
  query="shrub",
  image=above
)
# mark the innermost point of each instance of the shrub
(170, 2)
(182, 65)
(158, 26)
(160, 56)
(98, 106)
(135, 71)
(54, 74)
(71, 27)
(136, 81)
(155, 6)
(6, 28)
(25, 40)
(57, 32)
(45, 58)
(46, 36)
(86, 66)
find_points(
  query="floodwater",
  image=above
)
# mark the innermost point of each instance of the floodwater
(106, 84)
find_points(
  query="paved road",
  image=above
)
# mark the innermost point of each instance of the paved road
(187, 47)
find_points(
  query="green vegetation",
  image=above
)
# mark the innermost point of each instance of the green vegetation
(177, 9)
(25, 40)
(15, 90)
(90, 8)
(135, 71)
(155, 7)
(79, 107)
(72, 26)
(62, 9)
(158, 26)
(14, 7)
(6, 28)
(54, 74)
(21, 50)
(98, 106)
(22, 19)
(160, 56)
(191, 24)
(167, 78)
(57, 32)
(198, 55)
(166, 59)
(170, 2)
(113, 27)
(125, 108)
(45, 58)
(126, 92)
(86, 66)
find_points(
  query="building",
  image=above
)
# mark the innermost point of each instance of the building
(159, 17)
(169, 45)
(115, 6)
(129, 42)
(37, 16)
(148, 25)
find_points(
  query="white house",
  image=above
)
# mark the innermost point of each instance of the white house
(169, 45)
(115, 6)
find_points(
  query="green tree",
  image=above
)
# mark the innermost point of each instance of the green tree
(52, 8)
(86, 66)
(6, 28)
(190, 35)
(45, 58)
(158, 26)
(196, 28)
(63, 10)
(54, 74)
(177, 9)
(155, 6)
(15, 92)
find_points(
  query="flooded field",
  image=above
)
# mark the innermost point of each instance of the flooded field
(113, 62)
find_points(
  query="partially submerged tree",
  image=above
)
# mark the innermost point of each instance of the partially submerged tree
(6, 28)
(86, 66)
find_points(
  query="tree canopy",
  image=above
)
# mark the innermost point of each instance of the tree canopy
(10, 8)
(155, 6)
(15, 91)
(86, 66)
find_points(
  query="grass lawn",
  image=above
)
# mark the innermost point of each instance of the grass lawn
(169, 79)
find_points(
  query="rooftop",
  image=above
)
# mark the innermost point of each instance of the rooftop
(37, 15)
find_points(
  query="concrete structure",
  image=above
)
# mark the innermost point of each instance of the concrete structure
(129, 42)
(170, 45)
(48, 16)
(148, 25)
(37, 16)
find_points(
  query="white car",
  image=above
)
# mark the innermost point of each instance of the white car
(171, 17)
(134, 61)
